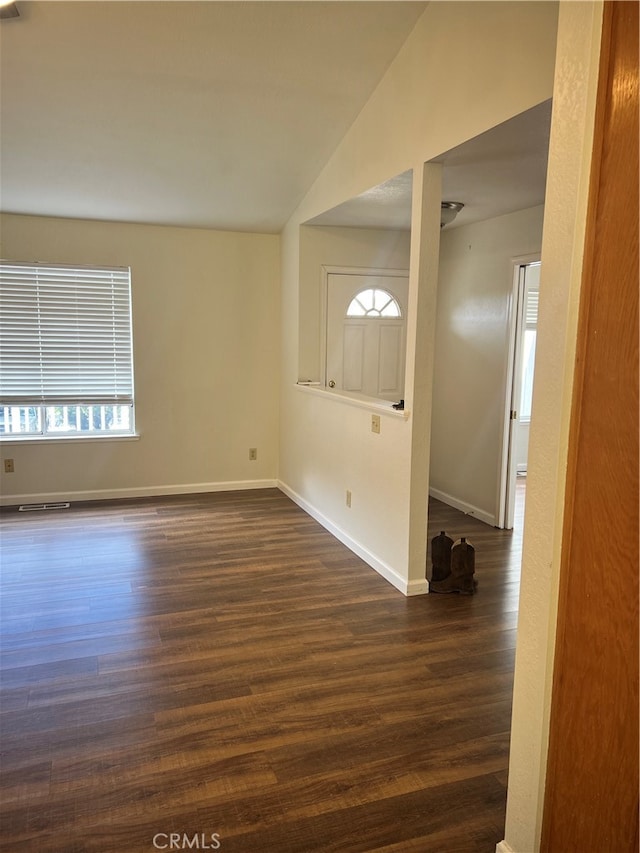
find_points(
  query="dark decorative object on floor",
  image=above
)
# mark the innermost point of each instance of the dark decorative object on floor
(460, 579)
(441, 556)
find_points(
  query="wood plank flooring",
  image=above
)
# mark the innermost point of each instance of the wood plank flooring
(221, 668)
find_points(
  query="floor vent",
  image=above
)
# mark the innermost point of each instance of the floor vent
(40, 507)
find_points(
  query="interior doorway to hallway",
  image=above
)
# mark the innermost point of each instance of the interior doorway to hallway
(521, 366)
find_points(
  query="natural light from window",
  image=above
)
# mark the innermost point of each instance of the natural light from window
(61, 421)
(66, 363)
(529, 352)
(373, 302)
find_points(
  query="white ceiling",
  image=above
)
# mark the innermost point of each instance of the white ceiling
(201, 114)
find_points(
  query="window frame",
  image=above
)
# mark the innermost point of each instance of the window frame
(373, 313)
(68, 328)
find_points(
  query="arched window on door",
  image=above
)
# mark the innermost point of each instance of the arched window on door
(374, 302)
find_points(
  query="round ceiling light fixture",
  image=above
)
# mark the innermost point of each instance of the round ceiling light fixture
(448, 211)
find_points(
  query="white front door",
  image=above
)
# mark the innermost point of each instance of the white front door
(366, 325)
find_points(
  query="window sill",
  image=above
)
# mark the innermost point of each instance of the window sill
(372, 404)
(48, 439)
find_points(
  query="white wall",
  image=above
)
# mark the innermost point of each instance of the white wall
(472, 342)
(206, 358)
(415, 114)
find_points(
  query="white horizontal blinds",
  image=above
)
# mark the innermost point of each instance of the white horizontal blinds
(531, 308)
(65, 335)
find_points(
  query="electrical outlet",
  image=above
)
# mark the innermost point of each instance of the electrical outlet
(348, 498)
(8, 466)
(253, 454)
(375, 424)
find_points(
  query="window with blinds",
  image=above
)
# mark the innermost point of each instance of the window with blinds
(66, 366)
(530, 334)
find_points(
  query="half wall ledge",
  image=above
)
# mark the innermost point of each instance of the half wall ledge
(372, 404)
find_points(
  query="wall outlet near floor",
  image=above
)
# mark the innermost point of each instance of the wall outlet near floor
(8, 466)
(375, 424)
(253, 454)
(348, 500)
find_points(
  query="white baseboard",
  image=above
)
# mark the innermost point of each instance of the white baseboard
(463, 506)
(419, 587)
(137, 492)
(503, 847)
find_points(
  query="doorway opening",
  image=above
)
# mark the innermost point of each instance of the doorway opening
(521, 366)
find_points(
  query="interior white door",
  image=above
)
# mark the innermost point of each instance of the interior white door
(366, 337)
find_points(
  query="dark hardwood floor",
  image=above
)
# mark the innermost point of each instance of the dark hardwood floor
(219, 665)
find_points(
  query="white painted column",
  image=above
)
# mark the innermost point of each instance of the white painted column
(421, 329)
(578, 51)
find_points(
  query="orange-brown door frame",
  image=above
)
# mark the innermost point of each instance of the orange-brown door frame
(591, 796)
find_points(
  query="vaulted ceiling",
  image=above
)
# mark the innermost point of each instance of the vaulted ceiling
(199, 114)
(220, 114)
